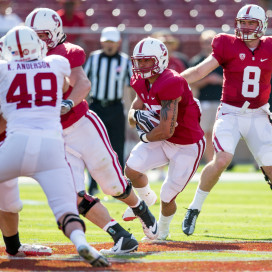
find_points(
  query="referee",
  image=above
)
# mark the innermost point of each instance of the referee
(109, 71)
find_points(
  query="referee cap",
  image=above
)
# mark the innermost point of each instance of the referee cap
(110, 34)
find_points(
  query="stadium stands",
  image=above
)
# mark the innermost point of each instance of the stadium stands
(138, 16)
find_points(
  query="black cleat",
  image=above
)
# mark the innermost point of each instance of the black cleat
(188, 224)
(123, 245)
(148, 220)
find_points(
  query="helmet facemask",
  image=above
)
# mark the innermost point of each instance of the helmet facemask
(144, 72)
(247, 34)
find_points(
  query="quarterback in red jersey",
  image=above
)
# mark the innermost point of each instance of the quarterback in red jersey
(244, 109)
(177, 140)
(87, 143)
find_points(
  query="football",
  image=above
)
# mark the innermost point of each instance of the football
(153, 119)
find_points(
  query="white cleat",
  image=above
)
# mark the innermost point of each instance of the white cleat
(26, 250)
(163, 235)
(128, 215)
(150, 199)
(92, 256)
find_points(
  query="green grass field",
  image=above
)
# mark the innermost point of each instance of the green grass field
(233, 231)
(234, 211)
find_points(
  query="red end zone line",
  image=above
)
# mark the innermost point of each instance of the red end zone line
(170, 246)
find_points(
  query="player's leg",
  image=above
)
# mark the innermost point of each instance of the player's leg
(90, 206)
(103, 164)
(226, 137)
(184, 161)
(259, 141)
(11, 205)
(58, 186)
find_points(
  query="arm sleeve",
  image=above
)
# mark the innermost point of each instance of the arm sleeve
(218, 48)
(172, 89)
(77, 58)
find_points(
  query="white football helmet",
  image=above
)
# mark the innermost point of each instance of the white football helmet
(2, 53)
(22, 43)
(149, 48)
(47, 21)
(252, 13)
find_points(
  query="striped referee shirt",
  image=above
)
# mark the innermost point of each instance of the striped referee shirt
(108, 75)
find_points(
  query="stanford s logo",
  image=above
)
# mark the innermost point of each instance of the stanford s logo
(242, 56)
(164, 52)
(55, 18)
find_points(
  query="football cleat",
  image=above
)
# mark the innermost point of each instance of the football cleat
(128, 215)
(188, 224)
(92, 256)
(163, 235)
(123, 245)
(26, 250)
(150, 199)
(147, 219)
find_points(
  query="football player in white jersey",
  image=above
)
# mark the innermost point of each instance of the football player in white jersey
(10, 205)
(31, 90)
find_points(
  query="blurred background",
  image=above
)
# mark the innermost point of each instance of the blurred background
(185, 19)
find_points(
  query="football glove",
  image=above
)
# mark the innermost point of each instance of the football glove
(144, 117)
(66, 105)
(142, 134)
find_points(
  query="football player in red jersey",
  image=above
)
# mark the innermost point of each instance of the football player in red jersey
(177, 140)
(246, 58)
(87, 142)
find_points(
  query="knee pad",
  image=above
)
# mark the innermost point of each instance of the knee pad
(126, 192)
(86, 203)
(70, 217)
(14, 207)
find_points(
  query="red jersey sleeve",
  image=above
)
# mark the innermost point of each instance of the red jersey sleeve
(171, 88)
(218, 49)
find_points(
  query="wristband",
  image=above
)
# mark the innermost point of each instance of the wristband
(134, 115)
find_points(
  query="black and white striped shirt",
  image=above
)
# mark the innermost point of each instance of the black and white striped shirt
(108, 75)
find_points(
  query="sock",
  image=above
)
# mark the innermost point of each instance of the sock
(137, 204)
(78, 238)
(12, 243)
(199, 199)
(110, 224)
(164, 222)
(146, 194)
(117, 231)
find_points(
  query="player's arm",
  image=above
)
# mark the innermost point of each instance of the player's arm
(199, 71)
(137, 104)
(2, 124)
(168, 119)
(80, 83)
(66, 84)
